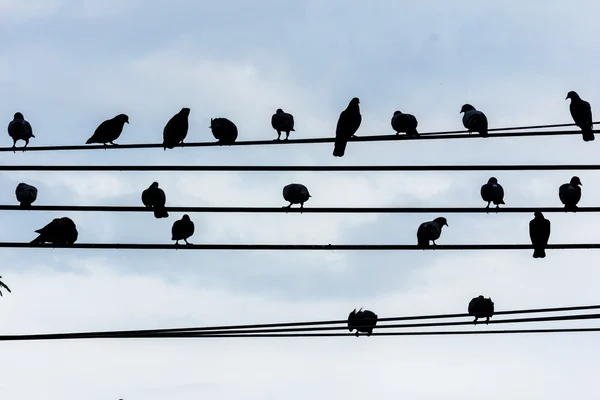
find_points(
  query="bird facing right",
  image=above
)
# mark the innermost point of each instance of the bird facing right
(176, 129)
(363, 321)
(405, 123)
(581, 111)
(295, 193)
(109, 130)
(474, 120)
(539, 233)
(430, 231)
(182, 229)
(492, 191)
(570, 193)
(282, 122)
(155, 198)
(347, 125)
(480, 307)
(19, 129)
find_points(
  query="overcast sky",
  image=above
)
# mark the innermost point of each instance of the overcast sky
(69, 65)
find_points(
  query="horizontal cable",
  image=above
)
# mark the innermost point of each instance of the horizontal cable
(372, 138)
(306, 210)
(295, 247)
(273, 168)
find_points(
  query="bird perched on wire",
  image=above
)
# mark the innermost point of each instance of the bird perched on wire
(570, 193)
(539, 233)
(405, 123)
(481, 307)
(295, 193)
(176, 129)
(26, 194)
(282, 122)
(155, 198)
(182, 229)
(581, 111)
(347, 125)
(109, 130)
(430, 230)
(58, 231)
(492, 191)
(474, 120)
(3, 285)
(20, 129)
(363, 321)
(223, 130)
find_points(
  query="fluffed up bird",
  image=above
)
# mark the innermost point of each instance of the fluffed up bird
(20, 129)
(481, 307)
(570, 193)
(26, 194)
(109, 130)
(492, 191)
(3, 285)
(363, 321)
(347, 125)
(581, 111)
(176, 129)
(182, 230)
(474, 120)
(282, 122)
(430, 230)
(539, 233)
(58, 231)
(155, 198)
(223, 130)
(406, 123)
(295, 193)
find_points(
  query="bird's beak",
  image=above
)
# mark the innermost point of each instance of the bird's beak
(447, 224)
(566, 97)
(126, 122)
(580, 184)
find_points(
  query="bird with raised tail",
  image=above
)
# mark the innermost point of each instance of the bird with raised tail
(347, 125)
(182, 229)
(26, 194)
(430, 231)
(570, 193)
(295, 193)
(480, 307)
(155, 198)
(58, 231)
(539, 233)
(282, 122)
(362, 321)
(109, 130)
(406, 123)
(19, 129)
(176, 129)
(492, 191)
(224, 130)
(474, 120)
(581, 111)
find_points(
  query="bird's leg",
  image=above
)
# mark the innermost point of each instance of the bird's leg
(287, 135)
(187, 243)
(487, 320)
(278, 135)
(433, 245)
(114, 144)
(475, 321)
(177, 242)
(356, 334)
(497, 207)
(301, 207)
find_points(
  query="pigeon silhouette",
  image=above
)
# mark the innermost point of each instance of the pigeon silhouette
(60, 231)
(182, 229)
(581, 111)
(539, 233)
(282, 122)
(570, 193)
(109, 130)
(406, 123)
(155, 198)
(26, 194)
(347, 125)
(176, 129)
(481, 307)
(430, 231)
(223, 130)
(362, 321)
(295, 193)
(19, 129)
(474, 120)
(492, 191)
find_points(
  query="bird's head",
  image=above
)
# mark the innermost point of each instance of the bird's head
(185, 217)
(396, 113)
(441, 221)
(279, 111)
(355, 101)
(576, 181)
(466, 107)
(123, 117)
(492, 180)
(154, 185)
(18, 115)
(572, 95)
(538, 214)
(185, 111)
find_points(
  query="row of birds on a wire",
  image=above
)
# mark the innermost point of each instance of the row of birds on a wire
(226, 132)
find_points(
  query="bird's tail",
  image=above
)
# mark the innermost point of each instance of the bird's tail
(501, 202)
(339, 148)
(38, 240)
(89, 141)
(292, 130)
(539, 253)
(587, 134)
(160, 212)
(483, 132)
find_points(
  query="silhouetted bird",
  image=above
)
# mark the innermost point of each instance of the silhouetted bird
(581, 111)
(155, 198)
(430, 230)
(19, 129)
(176, 129)
(492, 191)
(481, 307)
(3, 285)
(109, 130)
(295, 193)
(282, 122)
(570, 193)
(26, 194)
(474, 120)
(58, 231)
(363, 321)
(223, 130)
(539, 233)
(182, 229)
(347, 125)
(405, 123)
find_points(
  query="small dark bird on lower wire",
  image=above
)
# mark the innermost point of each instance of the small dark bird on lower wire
(481, 307)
